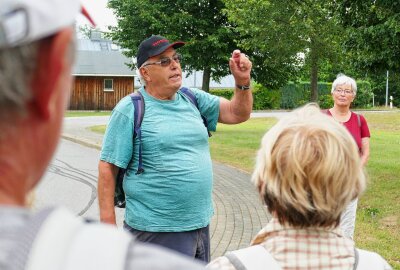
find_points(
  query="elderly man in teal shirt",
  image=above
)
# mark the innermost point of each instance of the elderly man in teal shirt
(170, 203)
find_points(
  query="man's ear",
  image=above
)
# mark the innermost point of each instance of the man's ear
(145, 74)
(52, 63)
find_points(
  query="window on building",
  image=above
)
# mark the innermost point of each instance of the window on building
(108, 85)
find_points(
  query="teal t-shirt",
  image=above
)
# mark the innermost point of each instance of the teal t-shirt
(174, 193)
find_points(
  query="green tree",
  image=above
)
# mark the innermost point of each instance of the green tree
(200, 23)
(373, 31)
(282, 36)
(373, 41)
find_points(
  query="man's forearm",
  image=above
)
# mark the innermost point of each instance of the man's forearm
(106, 190)
(242, 104)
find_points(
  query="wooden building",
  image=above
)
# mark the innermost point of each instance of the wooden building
(102, 76)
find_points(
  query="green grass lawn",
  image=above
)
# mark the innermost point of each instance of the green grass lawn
(85, 113)
(378, 216)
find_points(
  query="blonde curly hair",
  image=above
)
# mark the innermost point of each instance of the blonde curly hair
(308, 169)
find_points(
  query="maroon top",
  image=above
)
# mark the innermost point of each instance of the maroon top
(358, 130)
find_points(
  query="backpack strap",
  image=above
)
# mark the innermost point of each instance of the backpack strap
(252, 258)
(369, 260)
(138, 103)
(358, 120)
(192, 98)
(356, 258)
(22, 249)
(67, 242)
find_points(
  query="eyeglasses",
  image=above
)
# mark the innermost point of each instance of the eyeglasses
(166, 61)
(341, 91)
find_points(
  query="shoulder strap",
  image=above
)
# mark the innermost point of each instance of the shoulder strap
(27, 236)
(192, 98)
(252, 258)
(358, 120)
(67, 242)
(138, 104)
(356, 259)
(369, 260)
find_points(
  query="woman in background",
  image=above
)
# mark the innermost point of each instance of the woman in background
(344, 90)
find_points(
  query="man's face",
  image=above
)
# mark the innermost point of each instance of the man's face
(167, 78)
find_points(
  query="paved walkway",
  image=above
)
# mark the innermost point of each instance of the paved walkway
(239, 214)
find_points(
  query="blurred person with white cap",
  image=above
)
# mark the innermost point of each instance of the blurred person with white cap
(36, 55)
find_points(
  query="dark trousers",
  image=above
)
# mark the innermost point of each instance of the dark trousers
(195, 244)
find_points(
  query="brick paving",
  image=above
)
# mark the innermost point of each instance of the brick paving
(239, 214)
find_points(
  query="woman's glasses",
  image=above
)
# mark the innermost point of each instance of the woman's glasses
(341, 91)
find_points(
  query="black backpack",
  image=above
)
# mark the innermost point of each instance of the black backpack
(138, 103)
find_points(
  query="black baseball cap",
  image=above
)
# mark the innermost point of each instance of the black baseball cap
(153, 46)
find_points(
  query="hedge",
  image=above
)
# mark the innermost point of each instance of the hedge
(294, 95)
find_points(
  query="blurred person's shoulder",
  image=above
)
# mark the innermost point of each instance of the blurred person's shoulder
(148, 256)
(54, 237)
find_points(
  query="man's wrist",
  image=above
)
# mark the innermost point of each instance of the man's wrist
(243, 86)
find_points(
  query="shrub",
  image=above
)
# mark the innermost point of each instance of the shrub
(294, 95)
(364, 95)
(265, 99)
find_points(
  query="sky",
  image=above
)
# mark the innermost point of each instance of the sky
(99, 12)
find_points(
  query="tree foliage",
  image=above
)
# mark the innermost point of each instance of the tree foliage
(282, 36)
(373, 33)
(200, 23)
(373, 42)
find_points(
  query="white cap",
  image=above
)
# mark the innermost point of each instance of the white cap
(23, 21)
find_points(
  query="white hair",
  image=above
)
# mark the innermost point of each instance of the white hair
(17, 66)
(141, 79)
(343, 79)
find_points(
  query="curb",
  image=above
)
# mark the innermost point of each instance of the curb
(81, 141)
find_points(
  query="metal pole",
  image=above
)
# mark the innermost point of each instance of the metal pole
(373, 100)
(387, 87)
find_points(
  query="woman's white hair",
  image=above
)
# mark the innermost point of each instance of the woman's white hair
(344, 79)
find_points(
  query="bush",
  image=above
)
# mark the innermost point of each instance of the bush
(223, 92)
(263, 98)
(364, 95)
(294, 95)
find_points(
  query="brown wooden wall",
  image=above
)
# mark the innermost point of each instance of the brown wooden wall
(88, 92)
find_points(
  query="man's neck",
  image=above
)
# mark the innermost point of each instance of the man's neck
(154, 92)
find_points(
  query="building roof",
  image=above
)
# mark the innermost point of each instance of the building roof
(99, 56)
(102, 63)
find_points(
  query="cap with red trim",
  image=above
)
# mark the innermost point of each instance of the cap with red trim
(153, 46)
(23, 21)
